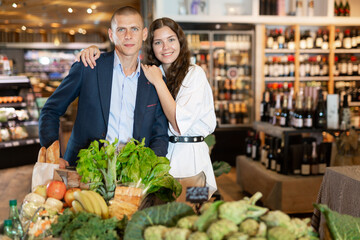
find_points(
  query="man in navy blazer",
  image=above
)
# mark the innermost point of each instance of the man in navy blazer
(93, 87)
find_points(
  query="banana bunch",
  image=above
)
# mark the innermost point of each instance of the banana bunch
(90, 201)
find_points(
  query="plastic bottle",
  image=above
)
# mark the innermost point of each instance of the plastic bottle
(14, 216)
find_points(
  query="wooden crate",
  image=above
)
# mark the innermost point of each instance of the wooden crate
(290, 194)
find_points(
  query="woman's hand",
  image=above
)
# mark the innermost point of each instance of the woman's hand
(63, 163)
(152, 73)
(88, 56)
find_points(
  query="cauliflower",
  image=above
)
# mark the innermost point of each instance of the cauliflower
(238, 236)
(198, 236)
(155, 232)
(187, 222)
(220, 228)
(276, 218)
(177, 234)
(249, 227)
(280, 233)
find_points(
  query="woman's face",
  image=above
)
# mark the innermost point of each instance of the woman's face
(166, 46)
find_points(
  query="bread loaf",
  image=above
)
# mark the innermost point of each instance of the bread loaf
(42, 155)
(53, 153)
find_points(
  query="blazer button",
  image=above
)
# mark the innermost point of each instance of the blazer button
(103, 134)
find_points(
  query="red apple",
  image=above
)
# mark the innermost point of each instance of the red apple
(56, 189)
(69, 195)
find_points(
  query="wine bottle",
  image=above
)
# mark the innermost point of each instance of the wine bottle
(271, 155)
(320, 112)
(309, 40)
(264, 107)
(341, 9)
(291, 43)
(337, 42)
(308, 116)
(345, 114)
(255, 151)
(318, 39)
(347, 39)
(314, 160)
(281, 39)
(277, 112)
(306, 160)
(270, 151)
(248, 142)
(298, 118)
(336, 8)
(284, 116)
(347, 9)
(303, 41)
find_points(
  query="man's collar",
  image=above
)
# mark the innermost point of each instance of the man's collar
(118, 63)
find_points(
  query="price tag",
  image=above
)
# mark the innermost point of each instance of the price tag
(16, 144)
(8, 145)
(30, 141)
(197, 194)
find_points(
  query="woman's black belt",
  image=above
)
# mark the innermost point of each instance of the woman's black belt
(175, 139)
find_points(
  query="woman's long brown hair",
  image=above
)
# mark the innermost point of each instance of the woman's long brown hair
(180, 67)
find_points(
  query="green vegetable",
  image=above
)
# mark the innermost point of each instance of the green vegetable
(177, 234)
(220, 229)
(104, 167)
(238, 236)
(167, 215)
(280, 233)
(198, 236)
(85, 225)
(156, 232)
(208, 216)
(188, 222)
(341, 226)
(220, 168)
(249, 227)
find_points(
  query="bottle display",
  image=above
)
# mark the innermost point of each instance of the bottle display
(320, 112)
(314, 169)
(227, 61)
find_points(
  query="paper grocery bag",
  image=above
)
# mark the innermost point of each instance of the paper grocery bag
(42, 174)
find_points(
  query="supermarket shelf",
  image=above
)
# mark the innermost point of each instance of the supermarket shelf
(347, 78)
(13, 79)
(14, 105)
(314, 51)
(354, 104)
(306, 79)
(49, 45)
(279, 51)
(279, 79)
(17, 143)
(347, 50)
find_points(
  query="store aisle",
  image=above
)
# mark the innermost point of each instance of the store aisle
(15, 183)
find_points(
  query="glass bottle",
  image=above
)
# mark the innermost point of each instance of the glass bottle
(314, 160)
(284, 116)
(318, 39)
(336, 9)
(277, 113)
(320, 112)
(345, 114)
(347, 9)
(264, 107)
(305, 164)
(14, 216)
(8, 229)
(308, 116)
(255, 151)
(298, 119)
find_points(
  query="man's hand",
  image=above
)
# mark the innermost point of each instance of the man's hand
(88, 56)
(63, 163)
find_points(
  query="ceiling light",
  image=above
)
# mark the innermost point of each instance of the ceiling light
(23, 28)
(80, 30)
(72, 32)
(70, 10)
(55, 25)
(84, 32)
(93, 6)
(14, 5)
(89, 10)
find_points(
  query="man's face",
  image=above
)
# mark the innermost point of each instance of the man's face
(127, 33)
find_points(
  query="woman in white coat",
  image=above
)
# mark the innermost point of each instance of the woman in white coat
(186, 99)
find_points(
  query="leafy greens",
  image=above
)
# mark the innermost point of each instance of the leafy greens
(104, 166)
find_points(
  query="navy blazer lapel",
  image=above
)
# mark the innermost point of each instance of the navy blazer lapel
(142, 94)
(105, 66)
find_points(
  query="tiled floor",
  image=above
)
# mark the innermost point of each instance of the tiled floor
(15, 183)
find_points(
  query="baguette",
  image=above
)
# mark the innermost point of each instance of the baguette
(42, 155)
(53, 153)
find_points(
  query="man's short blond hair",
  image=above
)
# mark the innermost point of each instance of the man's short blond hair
(127, 10)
